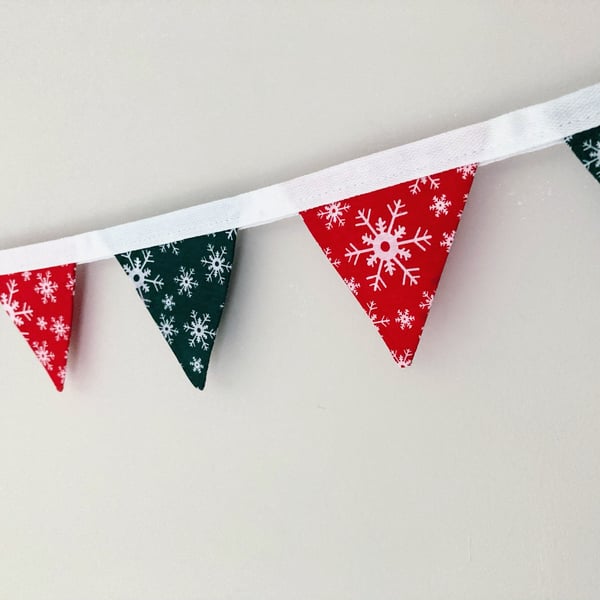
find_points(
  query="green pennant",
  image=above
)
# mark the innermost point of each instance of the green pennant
(184, 285)
(586, 146)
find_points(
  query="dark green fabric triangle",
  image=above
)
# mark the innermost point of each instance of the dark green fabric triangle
(184, 286)
(586, 146)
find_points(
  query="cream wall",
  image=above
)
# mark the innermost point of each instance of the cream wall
(311, 467)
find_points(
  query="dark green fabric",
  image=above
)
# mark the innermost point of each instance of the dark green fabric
(184, 286)
(586, 146)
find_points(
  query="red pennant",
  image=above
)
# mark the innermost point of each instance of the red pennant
(40, 304)
(390, 247)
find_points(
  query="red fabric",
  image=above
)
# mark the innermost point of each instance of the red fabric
(390, 246)
(40, 304)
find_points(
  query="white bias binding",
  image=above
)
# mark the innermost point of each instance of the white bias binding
(525, 130)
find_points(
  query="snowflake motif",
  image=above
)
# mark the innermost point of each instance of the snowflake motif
(216, 264)
(434, 184)
(26, 275)
(334, 214)
(352, 284)
(185, 281)
(427, 301)
(404, 359)
(167, 328)
(141, 275)
(41, 323)
(404, 319)
(62, 374)
(13, 308)
(230, 234)
(59, 328)
(172, 246)
(199, 331)
(70, 285)
(334, 261)
(467, 170)
(386, 247)
(45, 287)
(43, 354)
(593, 150)
(448, 240)
(440, 205)
(168, 302)
(197, 365)
(378, 322)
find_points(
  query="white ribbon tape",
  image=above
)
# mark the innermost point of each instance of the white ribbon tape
(518, 132)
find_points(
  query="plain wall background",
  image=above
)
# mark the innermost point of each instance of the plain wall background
(311, 467)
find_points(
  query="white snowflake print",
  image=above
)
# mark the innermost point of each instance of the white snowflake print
(230, 234)
(434, 184)
(404, 319)
(386, 248)
(168, 302)
(172, 246)
(448, 240)
(197, 365)
(43, 354)
(140, 273)
(334, 214)
(352, 284)
(440, 205)
(70, 285)
(45, 287)
(167, 328)
(41, 323)
(467, 170)
(216, 264)
(185, 282)
(404, 359)
(16, 312)
(377, 321)
(199, 332)
(334, 261)
(59, 328)
(427, 301)
(26, 275)
(593, 150)
(62, 374)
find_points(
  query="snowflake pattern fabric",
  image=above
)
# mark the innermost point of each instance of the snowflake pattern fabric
(40, 304)
(390, 247)
(184, 285)
(586, 146)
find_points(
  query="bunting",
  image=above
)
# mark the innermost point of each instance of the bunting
(40, 304)
(586, 147)
(184, 285)
(385, 222)
(390, 246)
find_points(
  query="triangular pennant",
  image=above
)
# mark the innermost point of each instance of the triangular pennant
(586, 146)
(40, 304)
(390, 246)
(184, 285)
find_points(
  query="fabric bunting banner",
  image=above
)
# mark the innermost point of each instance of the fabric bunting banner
(586, 147)
(390, 247)
(385, 223)
(40, 304)
(183, 285)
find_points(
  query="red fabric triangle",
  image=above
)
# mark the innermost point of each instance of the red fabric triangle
(390, 247)
(40, 304)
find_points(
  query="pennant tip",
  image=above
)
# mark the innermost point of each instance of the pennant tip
(60, 386)
(403, 359)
